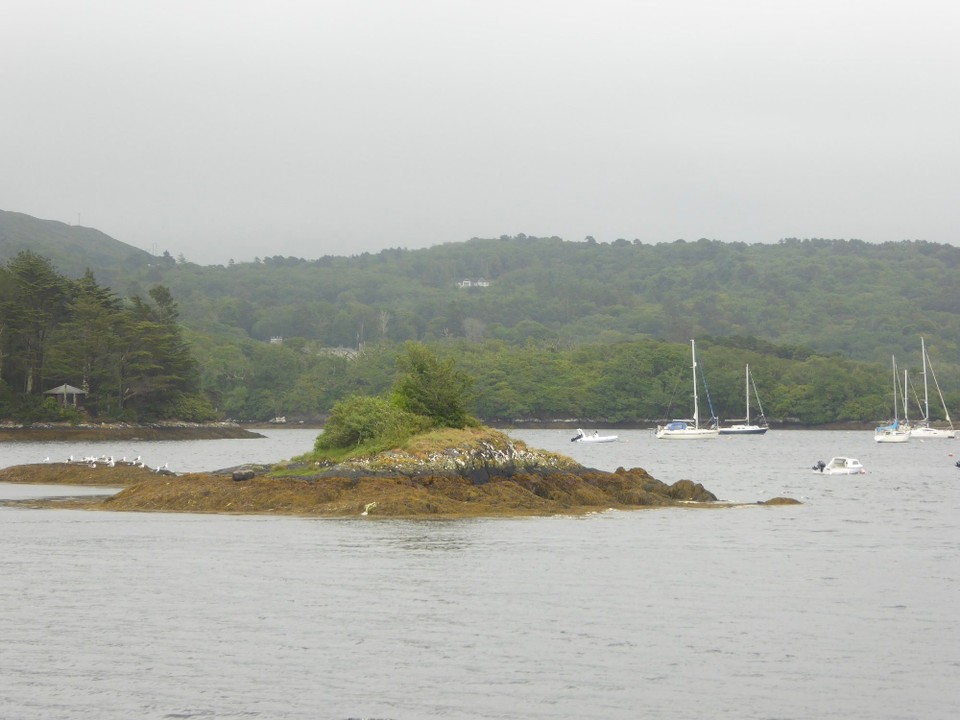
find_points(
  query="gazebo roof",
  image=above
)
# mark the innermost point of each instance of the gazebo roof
(66, 390)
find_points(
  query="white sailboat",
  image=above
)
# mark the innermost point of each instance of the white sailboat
(894, 432)
(923, 429)
(688, 429)
(746, 427)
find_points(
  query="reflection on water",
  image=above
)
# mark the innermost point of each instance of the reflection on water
(429, 537)
(844, 607)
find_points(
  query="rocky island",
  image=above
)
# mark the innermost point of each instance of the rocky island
(444, 473)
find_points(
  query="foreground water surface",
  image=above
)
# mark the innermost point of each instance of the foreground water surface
(843, 607)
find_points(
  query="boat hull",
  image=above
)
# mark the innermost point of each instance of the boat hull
(689, 433)
(581, 436)
(892, 436)
(743, 430)
(930, 433)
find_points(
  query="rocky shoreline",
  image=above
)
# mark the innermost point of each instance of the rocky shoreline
(379, 494)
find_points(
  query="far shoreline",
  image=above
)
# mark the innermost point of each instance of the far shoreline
(173, 430)
(92, 432)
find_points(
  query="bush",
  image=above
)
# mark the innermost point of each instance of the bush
(37, 408)
(432, 387)
(362, 419)
(192, 408)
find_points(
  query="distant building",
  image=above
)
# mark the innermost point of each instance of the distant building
(468, 283)
(344, 352)
(276, 340)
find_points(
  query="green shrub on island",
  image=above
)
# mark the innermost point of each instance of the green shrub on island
(369, 422)
(430, 393)
(432, 387)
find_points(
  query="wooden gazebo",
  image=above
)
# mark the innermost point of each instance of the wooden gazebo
(66, 394)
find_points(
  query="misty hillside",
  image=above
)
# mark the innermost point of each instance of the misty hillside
(547, 327)
(861, 300)
(72, 249)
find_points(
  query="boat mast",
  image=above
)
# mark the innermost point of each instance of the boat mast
(943, 403)
(906, 410)
(896, 404)
(926, 395)
(747, 386)
(696, 406)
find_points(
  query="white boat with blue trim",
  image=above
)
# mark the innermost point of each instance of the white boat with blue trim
(689, 429)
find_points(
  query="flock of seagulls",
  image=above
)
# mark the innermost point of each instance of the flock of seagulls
(93, 461)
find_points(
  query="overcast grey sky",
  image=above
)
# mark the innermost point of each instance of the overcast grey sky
(239, 128)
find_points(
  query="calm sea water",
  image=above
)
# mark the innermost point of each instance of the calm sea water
(843, 607)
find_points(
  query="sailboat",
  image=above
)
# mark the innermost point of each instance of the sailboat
(746, 427)
(688, 429)
(894, 432)
(923, 429)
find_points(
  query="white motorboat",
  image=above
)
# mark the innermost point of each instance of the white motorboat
(840, 466)
(581, 436)
(689, 429)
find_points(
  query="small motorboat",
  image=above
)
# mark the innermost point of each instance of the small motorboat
(581, 436)
(840, 466)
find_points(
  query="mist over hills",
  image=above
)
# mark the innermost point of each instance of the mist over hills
(72, 248)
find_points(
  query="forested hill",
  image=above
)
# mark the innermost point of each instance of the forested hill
(548, 328)
(860, 300)
(72, 249)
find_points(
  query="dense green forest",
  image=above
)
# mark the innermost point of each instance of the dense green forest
(562, 329)
(849, 297)
(128, 357)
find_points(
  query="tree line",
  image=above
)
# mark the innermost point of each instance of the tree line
(864, 301)
(137, 357)
(635, 382)
(128, 356)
